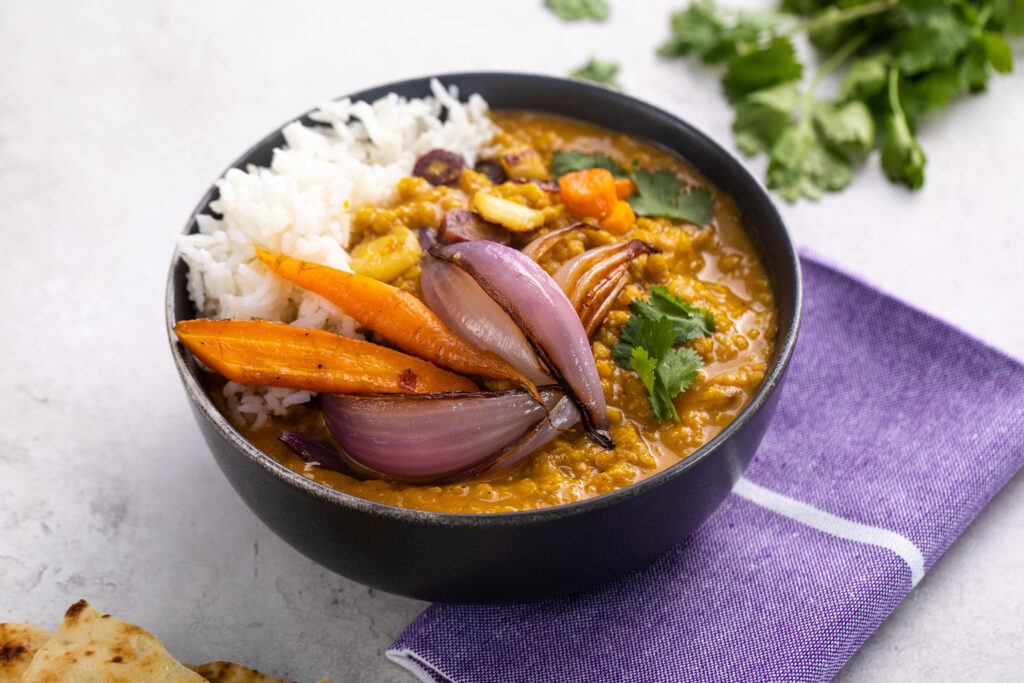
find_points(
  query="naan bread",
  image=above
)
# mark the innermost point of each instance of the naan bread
(89, 647)
(18, 645)
(227, 672)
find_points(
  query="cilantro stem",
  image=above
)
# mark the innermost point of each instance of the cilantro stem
(831, 17)
(900, 117)
(848, 49)
(984, 14)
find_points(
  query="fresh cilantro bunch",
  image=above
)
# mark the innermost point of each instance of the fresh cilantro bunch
(657, 194)
(901, 60)
(646, 347)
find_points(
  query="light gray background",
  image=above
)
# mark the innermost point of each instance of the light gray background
(116, 116)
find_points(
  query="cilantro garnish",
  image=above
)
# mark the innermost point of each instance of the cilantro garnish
(575, 10)
(902, 59)
(646, 347)
(661, 194)
(598, 71)
(902, 158)
(566, 161)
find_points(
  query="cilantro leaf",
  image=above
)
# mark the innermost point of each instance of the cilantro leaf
(661, 194)
(646, 346)
(642, 364)
(699, 29)
(932, 38)
(865, 78)
(998, 51)
(688, 321)
(657, 335)
(902, 158)
(713, 34)
(934, 90)
(666, 378)
(760, 68)
(677, 370)
(802, 164)
(575, 10)
(972, 68)
(566, 161)
(762, 116)
(937, 49)
(848, 127)
(598, 71)
(1008, 15)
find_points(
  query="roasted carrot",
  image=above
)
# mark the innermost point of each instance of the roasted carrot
(624, 187)
(397, 315)
(620, 220)
(279, 355)
(589, 193)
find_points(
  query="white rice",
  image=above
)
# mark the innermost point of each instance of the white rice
(302, 206)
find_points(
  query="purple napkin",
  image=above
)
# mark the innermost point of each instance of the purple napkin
(893, 432)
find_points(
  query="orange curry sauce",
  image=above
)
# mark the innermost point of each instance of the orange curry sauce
(713, 266)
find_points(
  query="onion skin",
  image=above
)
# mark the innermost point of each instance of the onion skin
(594, 279)
(563, 417)
(469, 312)
(540, 246)
(547, 318)
(431, 437)
(316, 451)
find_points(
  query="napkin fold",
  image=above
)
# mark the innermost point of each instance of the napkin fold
(893, 431)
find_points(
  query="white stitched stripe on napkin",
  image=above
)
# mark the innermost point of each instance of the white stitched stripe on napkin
(837, 526)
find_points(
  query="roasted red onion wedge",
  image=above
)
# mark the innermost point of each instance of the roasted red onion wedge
(463, 225)
(563, 417)
(316, 451)
(594, 279)
(547, 319)
(470, 313)
(430, 437)
(540, 246)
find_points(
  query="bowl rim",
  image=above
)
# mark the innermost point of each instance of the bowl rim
(784, 349)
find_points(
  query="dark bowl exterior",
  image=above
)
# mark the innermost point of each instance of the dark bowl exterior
(528, 555)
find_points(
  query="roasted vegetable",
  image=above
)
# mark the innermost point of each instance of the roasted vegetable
(439, 167)
(515, 217)
(525, 163)
(590, 193)
(463, 225)
(548, 320)
(492, 169)
(620, 220)
(388, 256)
(279, 355)
(397, 315)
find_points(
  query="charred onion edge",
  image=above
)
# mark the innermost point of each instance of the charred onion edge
(604, 280)
(540, 246)
(318, 451)
(435, 278)
(513, 452)
(486, 463)
(598, 435)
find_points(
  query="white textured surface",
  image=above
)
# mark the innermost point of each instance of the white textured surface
(115, 117)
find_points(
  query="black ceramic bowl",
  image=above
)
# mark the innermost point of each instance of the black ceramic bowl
(538, 553)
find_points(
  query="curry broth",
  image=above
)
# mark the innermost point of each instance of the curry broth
(715, 267)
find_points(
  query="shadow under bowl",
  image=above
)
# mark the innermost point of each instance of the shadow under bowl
(518, 556)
